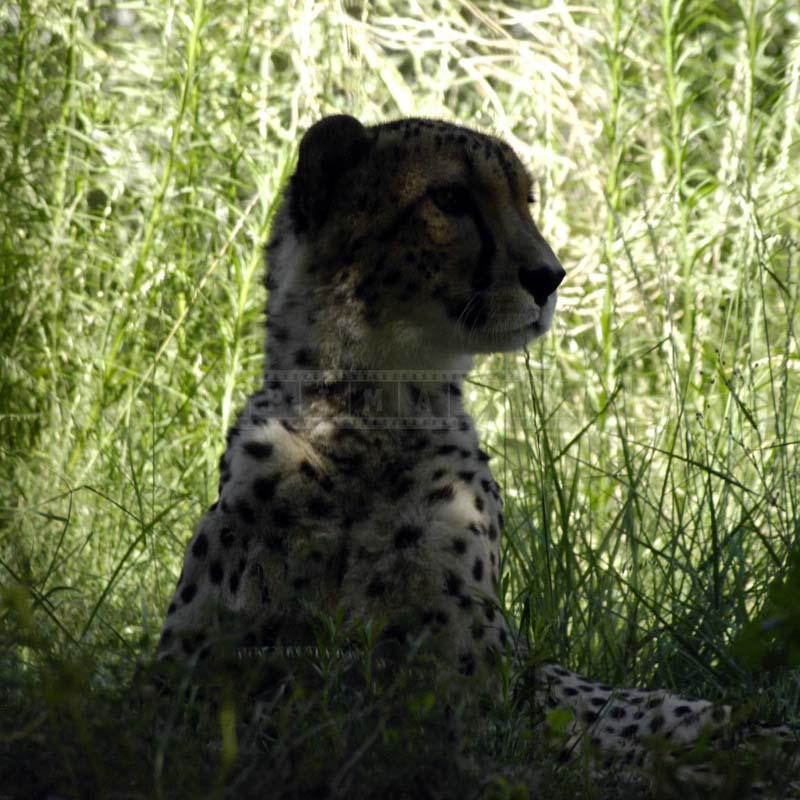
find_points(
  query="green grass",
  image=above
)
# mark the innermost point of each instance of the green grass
(649, 448)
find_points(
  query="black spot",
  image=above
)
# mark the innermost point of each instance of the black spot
(459, 546)
(466, 476)
(189, 644)
(481, 456)
(492, 533)
(227, 537)
(319, 507)
(401, 487)
(656, 723)
(654, 702)
(282, 516)
(278, 333)
(188, 593)
(629, 730)
(300, 582)
(570, 691)
(439, 473)
(302, 357)
(420, 443)
(376, 587)
(172, 609)
(477, 631)
(216, 573)
(200, 546)
(617, 712)
(585, 687)
(392, 471)
(347, 462)
(233, 582)
(245, 511)
(478, 502)
(452, 583)
(326, 482)
(264, 488)
(477, 570)
(467, 663)
(258, 450)
(441, 495)
(589, 717)
(445, 450)
(391, 278)
(307, 470)
(598, 701)
(489, 612)
(407, 536)
(681, 711)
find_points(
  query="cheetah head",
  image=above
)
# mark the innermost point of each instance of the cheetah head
(407, 244)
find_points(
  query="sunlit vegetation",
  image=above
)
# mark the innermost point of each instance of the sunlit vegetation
(649, 447)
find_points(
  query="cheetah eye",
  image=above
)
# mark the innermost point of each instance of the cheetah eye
(453, 199)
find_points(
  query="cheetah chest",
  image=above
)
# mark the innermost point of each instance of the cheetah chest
(393, 531)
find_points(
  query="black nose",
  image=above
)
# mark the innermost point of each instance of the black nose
(541, 281)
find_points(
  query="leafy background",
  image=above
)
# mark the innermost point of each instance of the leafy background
(648, 447)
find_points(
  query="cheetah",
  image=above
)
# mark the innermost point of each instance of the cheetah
(353, 480)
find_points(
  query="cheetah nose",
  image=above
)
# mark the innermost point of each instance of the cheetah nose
(542, 281)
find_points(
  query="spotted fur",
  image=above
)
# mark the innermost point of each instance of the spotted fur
(405, 248)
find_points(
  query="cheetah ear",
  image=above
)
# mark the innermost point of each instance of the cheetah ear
(329, 149)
